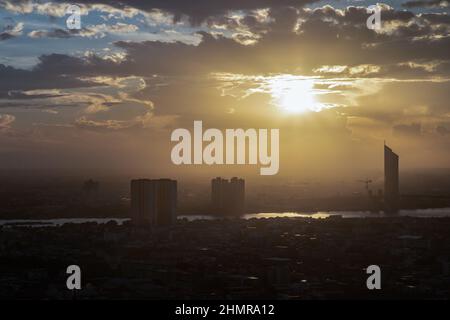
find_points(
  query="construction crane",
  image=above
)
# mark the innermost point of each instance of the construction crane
(366, 182)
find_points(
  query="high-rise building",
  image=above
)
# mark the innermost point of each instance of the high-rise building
(166, 200)
(153, 202)
(391, 181)
(218, 191)
(237, 195)
(228, 197)
(143, 202)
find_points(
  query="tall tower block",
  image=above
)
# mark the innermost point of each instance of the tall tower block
(391, 180)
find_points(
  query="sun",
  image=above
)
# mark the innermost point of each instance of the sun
(293, 94)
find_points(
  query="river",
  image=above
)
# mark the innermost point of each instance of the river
(423, 213)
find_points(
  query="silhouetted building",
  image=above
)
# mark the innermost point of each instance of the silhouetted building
(228, 197)
(153, 202)
(237, 195)
(218, 191)
(391, 181)
(166, 200)
(143, 201)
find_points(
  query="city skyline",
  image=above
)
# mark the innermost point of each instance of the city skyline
(228, 197)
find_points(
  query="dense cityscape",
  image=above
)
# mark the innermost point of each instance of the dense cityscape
(298, 258)
(155, 255)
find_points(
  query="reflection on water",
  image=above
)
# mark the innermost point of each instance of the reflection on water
(423, 213)
(317, 215)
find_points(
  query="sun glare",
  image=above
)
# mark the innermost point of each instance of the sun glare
(294, 94)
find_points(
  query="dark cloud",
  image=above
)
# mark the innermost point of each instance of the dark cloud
(61, 64)
(292, 41)
(416, 69)
(54, 33)
(6, 36)
(196, 11)
(280, 48)
(91, 31)
(52, 72)
(199, 10)
(20, 95)
(212, 54)
(436, 18)
(58, 71)
(9, 29)
(425, 4)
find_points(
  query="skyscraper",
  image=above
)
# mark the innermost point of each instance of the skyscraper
(143, 202)
(153, 202)
(166, 200)
(237, 195)
(218, 193)
(391, 180)
(228, 197)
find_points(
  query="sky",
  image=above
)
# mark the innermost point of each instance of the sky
(107, 97)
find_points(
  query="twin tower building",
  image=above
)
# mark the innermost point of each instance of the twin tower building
(154, 202)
